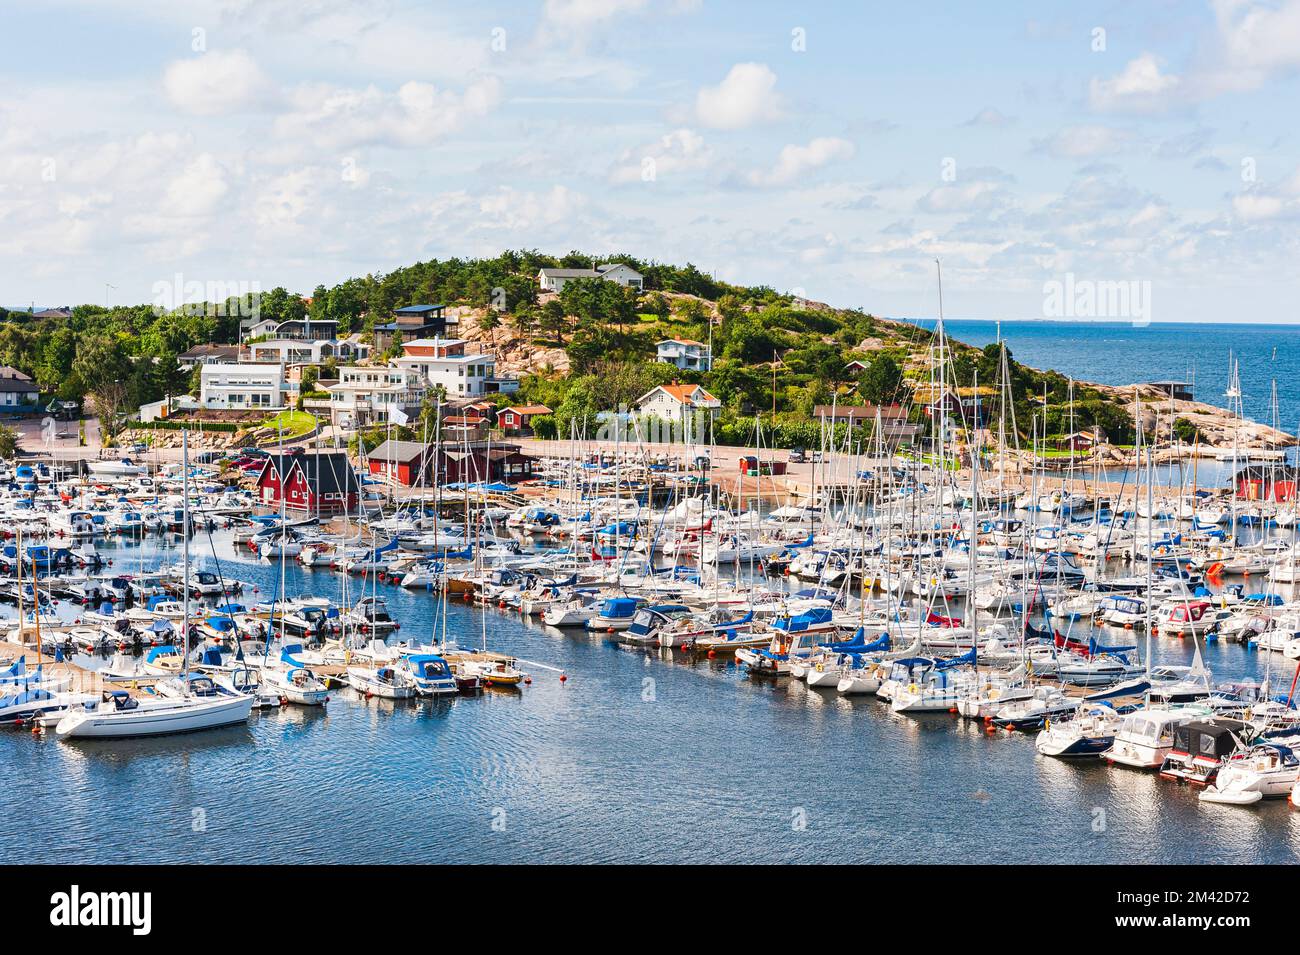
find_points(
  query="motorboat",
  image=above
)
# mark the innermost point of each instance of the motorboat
(1265, 770)
(1146, 736)
(1200, 748)
(1088, 734)
(386, 682)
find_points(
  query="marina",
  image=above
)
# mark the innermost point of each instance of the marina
(549, 651)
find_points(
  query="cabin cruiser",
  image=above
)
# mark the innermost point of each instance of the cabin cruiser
(575, 612)
(430, 674)
(370, 615)
(1089, 733)
(1201, 746)
(615, 614)
(1146, 736)
(1031, 713)
(1265, 770)
(386, 682)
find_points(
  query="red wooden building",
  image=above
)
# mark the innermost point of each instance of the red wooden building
(402, 462)
(517, 419)
(472, 463)
(1261, 482)
(312, 483)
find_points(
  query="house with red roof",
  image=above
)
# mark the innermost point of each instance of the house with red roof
(678, 403)
(517, 419)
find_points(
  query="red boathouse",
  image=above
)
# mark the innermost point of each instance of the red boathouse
(313, 483)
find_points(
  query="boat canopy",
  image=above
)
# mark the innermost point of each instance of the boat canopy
(619, 607)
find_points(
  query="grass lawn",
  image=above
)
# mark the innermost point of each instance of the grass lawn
(293, 423)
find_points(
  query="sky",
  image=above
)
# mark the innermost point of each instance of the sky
(1134, 159)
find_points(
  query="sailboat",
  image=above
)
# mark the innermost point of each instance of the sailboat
(118, 714)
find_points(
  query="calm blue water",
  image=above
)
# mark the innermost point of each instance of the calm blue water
(701, 764)
(1118, 353)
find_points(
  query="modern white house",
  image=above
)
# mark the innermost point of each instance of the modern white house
(444, 362)
(685, 354)
(242, 386)
(553, 280)
(367, 394)
(308, 351)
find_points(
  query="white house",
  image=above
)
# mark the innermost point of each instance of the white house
(18, 392)
(685, 354)
(552, 280)
(367, 394)
(443, 361)
(308, 351)
(677, 403)
(242, 386)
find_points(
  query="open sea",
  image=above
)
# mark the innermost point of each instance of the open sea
(1120, 353)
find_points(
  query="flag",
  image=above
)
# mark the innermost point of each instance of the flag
(396, 415)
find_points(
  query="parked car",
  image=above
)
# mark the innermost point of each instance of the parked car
(798, 455)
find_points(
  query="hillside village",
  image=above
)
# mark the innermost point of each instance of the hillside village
(528, 344)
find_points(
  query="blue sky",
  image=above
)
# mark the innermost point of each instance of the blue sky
(833, 149)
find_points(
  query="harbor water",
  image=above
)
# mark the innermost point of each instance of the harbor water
(637, 756)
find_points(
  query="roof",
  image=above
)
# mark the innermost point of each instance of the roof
(9, 371)
(401, 452)
(571, 273)
(681, 341)
(418, 309)
(682, 394)
(18, 385)
(326, 473)
(208, 349)
(527, 409)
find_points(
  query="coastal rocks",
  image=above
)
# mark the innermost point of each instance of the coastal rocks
(199, 439)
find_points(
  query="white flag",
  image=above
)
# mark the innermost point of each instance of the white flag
(397, 415)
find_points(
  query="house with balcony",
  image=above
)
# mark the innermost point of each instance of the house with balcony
(308, 351)
(446, 363)
(242, 386)
(366, 395)
(686, 354)
(412, 322)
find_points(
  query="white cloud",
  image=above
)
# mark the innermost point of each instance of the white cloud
(977, 194)
(514, 209)
(417, 114)
(1139, 87)
(1085, 142)
(198, 189)
(746, 96)
(578, 14)
(794, 161)
(215, 83)
(1260, 38)
(682, 150)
